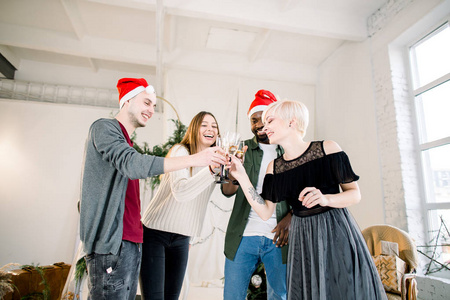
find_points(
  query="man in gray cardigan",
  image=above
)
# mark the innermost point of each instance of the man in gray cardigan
(110, 227)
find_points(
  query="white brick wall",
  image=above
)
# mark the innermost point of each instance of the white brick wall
(397, 130)
(390, 143)
(396, 120)
(384, 14)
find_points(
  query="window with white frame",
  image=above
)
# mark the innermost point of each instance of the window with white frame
(430, 68)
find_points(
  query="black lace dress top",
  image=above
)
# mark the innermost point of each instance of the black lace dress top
(313, 168)
(327, 255)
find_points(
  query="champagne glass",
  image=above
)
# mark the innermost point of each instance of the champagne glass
(229, 142)
(240, 151)
(221, 142)
(233, 139)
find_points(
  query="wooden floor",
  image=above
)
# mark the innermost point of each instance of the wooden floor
(198, 292)
(205, 293)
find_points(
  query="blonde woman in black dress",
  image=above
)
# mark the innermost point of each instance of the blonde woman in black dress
(328, 257)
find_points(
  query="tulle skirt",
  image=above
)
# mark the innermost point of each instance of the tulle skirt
(328, 259)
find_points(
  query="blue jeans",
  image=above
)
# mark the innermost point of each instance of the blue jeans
(114, 276)
(164, 261)
(253, 250)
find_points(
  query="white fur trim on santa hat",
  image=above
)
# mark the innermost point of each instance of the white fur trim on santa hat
(149, 89)
(256, 109)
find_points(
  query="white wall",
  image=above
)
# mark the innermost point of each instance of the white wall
(191, 92)
(41, 149)
(346, 114)
(395, 112)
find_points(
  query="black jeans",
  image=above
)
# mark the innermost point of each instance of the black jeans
(164, 261)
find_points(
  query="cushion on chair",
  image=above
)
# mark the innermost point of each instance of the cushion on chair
(407, 248)
(391, 296)
(391, 269)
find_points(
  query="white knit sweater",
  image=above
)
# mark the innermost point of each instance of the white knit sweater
(179, 205)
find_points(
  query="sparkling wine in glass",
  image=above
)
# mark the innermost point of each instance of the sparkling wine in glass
(240, 151)
(220, 177)
(232, 142)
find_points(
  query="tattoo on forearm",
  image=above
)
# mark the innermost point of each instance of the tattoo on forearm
(255, 196)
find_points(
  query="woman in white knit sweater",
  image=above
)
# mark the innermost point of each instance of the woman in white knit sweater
(175, 214)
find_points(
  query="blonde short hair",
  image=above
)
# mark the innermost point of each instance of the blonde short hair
(289, 110)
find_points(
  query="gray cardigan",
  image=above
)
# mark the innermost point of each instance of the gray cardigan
(108, 164)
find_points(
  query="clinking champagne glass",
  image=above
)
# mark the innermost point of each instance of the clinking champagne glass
(229, 142)
(233, 139)
(240, 151)
(220, 177)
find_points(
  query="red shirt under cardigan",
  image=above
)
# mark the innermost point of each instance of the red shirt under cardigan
(132, 226)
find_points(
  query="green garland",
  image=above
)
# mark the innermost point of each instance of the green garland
(80, 270)
(163, 149)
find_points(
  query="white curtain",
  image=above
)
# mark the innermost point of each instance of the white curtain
(206, 258)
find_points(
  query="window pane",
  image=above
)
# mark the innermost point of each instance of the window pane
(433, 108)
(432, 57)
(439, 235)
(436, 173)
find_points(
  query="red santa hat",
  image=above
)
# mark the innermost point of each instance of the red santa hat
(262, 99)
(130, 87)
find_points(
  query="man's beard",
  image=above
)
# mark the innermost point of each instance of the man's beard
(262, 138)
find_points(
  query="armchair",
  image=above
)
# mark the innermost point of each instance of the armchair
(407, 252)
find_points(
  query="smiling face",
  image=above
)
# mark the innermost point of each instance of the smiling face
(257, 126)
(201, 132)
(275, 128)
(141, 108)
(208, 132)
(283, 118)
